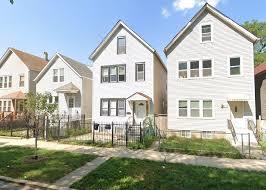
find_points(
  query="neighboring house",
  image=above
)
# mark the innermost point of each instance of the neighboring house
(211, 76)
(260, 90)
(17, 71)
(70, 84)
(129, 78)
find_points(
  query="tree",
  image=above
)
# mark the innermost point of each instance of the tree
(37, 106)
(258, 29)
(11, 1)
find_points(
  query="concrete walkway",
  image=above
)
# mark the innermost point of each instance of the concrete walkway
(79, 173)
(241, 164)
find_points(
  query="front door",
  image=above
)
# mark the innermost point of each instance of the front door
(71, 105)
(237, 114)
(140, 111)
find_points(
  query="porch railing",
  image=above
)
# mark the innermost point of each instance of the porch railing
(232, 129)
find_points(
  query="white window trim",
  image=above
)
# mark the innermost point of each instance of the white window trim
(201, 109)
(228, 65)
(200, 32)
(74, 102)
(3, 82)
(21, 75)
(211, 133)
(200, 69)
(186, 132)
(58, 75)
(137, 72)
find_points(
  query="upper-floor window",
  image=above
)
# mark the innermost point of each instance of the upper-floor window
(196, 68)
(113, 107)
(121, 45)
(5, 81)
(58, 75)
(140, 71)
(21, 81)
(206, 33)
(235, 66)
(113, 73)
(182, 67)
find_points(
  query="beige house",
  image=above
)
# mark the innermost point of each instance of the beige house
(17, 71)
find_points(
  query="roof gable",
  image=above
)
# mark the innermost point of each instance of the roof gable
(208, 8)
(79, 69)
(33, 63)
(117, 26)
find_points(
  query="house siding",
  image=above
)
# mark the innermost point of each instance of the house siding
(226, 42)
(260, 90)
(87, 97)
(135, 52)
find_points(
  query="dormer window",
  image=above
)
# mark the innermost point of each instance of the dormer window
(206, 33)
(121, 45)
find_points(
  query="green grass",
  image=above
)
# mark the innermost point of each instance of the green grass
(133, 174)
(202, 147)
(54, 165)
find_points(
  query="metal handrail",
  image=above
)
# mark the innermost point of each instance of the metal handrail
(253, 128)
(232, 129)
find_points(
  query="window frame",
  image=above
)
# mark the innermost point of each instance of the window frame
(197, 109)
(182, 70)
(202, 68)
(212, 111)
(21, 83)
(185, 134)
(136, 71)
(240, 66)
(117, 44)
(61, 74)
(199, 73)
(212, 29)
(108, 67)
(109, 100)
(207, 134)
(187, 104)
(1, 105)
(55, 76)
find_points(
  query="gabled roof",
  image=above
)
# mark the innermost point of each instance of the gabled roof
(118, 25)
(138, 96)
(14, 96)
(33, 62)
(80, 69)
(67, 88)
(215, 12)
(260, 69)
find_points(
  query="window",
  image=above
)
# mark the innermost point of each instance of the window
(206, 68)
(121, 108)
(4, 107)
(70, 102)
(21, 80)
(0, 106)
(182, 67)
(56, 99)
(105, 74)
(113, 107)
(206, 33)
(9, 106)
(140, 71)
(121, 45)
(122, 73)
(235, 66)
(50, 100)
(61, 74)
(182, 108)
(113, 74)
(207, 108)
(10, 81)
(1, 82)
(186, 134)
(207, 134)
(55, 75)
(194, 108)
(5, 82)
(194, 69)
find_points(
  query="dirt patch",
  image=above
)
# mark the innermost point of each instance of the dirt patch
(33, 159)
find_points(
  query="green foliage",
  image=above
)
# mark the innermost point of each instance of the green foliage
(11, 1)
(201, 147)
(15, 162)
(258, 29)
(134, 174)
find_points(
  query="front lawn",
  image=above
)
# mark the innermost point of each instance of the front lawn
(15, 162)
(133, 174)
(202, 147)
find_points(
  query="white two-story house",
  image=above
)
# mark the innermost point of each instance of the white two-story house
(70, 84)
(210, 76)
(17, 71)
(129, 78)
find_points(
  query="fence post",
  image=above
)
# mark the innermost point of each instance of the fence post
(242, 142)
(68, 120)
(112, 133)
(126, 134)
(93, 140)
(46, 127)
(140, 133)
(249, 144)
(11, 126)
(83, 121)
(58, 130)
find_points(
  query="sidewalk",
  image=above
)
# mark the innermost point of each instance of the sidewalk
(242, 164)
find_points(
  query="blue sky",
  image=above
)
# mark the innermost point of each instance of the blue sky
(75, 27)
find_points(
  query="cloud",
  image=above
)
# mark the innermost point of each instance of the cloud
(165, 13)
(181, 5)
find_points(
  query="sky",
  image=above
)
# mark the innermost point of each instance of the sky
(76, 27)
